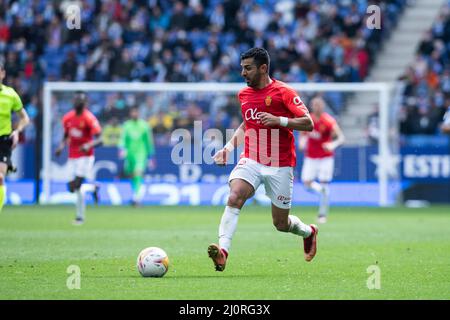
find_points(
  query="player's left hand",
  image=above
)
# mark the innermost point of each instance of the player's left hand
(269, 119)
(328, 146)
(14, 138)
(151, 164)
(221, 157)
(85, 147)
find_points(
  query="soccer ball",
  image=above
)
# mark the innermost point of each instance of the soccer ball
(153, 262)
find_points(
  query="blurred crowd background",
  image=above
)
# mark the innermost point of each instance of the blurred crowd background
(426, 93)
(201, 40)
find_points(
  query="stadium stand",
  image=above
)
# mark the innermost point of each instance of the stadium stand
(426, 93)
(193, 41)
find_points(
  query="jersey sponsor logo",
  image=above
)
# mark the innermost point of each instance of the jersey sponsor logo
(284, 200)
(268, 100)
(74, 132)
(242, 162)
(297, 100)
(315, 135)
(300, 105)
(252, 114)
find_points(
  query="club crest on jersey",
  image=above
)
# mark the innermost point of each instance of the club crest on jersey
(268, 100)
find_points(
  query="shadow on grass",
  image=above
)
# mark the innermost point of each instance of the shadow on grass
(179, 277)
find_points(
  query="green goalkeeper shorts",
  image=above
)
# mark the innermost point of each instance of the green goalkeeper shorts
(135, 165)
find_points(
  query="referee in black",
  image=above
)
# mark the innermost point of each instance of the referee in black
(9, 102)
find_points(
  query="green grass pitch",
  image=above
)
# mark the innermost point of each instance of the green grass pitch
(411, 247)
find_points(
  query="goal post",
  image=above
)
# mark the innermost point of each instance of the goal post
(382, 90)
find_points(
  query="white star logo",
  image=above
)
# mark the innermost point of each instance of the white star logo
(391, 164)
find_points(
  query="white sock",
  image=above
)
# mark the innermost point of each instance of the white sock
(297, 227)
(80, 205)
(227, 227)
(315, 187)
(324, 200)
(87, 187)
(137, 196)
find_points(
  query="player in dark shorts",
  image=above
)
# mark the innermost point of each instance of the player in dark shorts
(9, 102)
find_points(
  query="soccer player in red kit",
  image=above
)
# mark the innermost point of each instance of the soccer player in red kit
(319, 146)
(81, 133)
(271, 110)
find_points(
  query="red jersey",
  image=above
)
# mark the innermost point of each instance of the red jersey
(323, 127)
(271, 146)
(80, 129)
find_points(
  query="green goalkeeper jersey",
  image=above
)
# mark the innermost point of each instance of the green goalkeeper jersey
(9, 102)
(137, 139)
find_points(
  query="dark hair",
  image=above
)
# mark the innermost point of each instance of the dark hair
(2, 64)
(260, 56)
(80, 95)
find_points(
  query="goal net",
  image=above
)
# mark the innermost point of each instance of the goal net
(191, 120)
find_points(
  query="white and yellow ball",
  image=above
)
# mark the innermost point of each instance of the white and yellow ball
(153, 262)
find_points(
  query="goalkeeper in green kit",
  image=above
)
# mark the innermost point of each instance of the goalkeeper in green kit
(137, 150)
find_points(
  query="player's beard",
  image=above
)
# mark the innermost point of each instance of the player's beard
(253, 82)
(79, 108)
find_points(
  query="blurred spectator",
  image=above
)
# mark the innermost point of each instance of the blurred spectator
(111, 133)
(121, 69)
(179, 19)
(258, 18)
(373, 126)
(427, 80)
(69, 67)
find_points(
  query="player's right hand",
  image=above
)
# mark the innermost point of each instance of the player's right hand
(122, 153)
(221, 157)
(14, 138)
(301, 146)
(58, 152)
(151, 164)
(328, 146)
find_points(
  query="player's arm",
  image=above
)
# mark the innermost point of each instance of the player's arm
(65, 138)
(97, 141)
(123, 142)
(150, 144)
(301, 121)
(96, 131)
(302, 142)
(236, 140)
(62, 144)
(338, 137)
(24, 120)
(150, 148)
